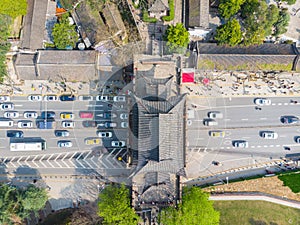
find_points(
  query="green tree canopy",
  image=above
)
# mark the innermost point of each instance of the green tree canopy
(230, 33)
(114, 206)
(34, 199)
(177, 37)
(195, 209)
(13, 8)
(64, 34)
(282, 22)
(229, 8)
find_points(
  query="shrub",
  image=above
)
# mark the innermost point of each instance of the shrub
(171, 12)
(148, 19)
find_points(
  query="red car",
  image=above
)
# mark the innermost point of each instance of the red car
(86, 114)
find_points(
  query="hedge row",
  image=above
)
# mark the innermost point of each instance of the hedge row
(148, 19)
(172, 12)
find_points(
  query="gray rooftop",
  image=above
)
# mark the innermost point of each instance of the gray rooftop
(198, 11)
(157, 6)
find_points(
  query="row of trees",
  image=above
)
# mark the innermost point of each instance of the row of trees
(250, 21)
(195, 209)
(17, 204)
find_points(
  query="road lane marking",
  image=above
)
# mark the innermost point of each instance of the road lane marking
(273, 103)
(227, 119)
(221, 147)
(277, 145)
(263, 118)
(19, 105)
(228, 147)
(265, 146)
(271, 146)
(258, 146)
(252, 147)
(279, 103)
(286, 103)
(245, 137)
(245, 119)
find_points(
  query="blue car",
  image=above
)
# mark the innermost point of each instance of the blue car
(48, 115)
(67, 98)
(14, 134)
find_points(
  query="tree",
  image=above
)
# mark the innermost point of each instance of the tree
(229, 33)
(229, 8)
(64, 34)
(34, 199)
(114, 206)
(177, 37)
(282, 22)
(13, 8)
(195, 209)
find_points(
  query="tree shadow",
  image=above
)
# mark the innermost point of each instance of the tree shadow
(252, 221)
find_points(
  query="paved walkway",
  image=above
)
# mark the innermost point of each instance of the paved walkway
(255, 197)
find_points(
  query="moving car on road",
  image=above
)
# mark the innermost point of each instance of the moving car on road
(107, 115)
(210, 122)
(11, 114)
(262, 101)
(269, 135)
(124, 124)
(289, 119)
(64, 144)
(297, 139)
(65, 98)
(123, 116)
(119, 99)
(240, 144)
(89, 123)
(68, 124)
(7, 106)
(15, 134)
(30, 114)
(50, 98)
(104, 134)
(104, 98)
(67, 115)
(25, 124)
(85, 98)
(217, 133)
(62, 133)
(109, 124)
(35, 98)
(215, 115)
(118, 143)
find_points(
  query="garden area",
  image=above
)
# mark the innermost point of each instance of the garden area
(291, 180)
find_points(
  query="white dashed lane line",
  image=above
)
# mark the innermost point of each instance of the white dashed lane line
(263, 118)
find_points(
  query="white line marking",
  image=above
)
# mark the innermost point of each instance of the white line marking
(273, 103)
(87, 155)
(279, 103)
(265, 146)
(263, 118)
(221, 147)
(245, 119)
(19, 105)
(227, 119)
(258, 146)
(252, 147)
(228, 147)
(277, 145)
(42, 162)
(286, 103)
(271, 146)
(78, 157)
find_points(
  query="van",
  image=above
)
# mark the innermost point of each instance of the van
(210, 122)
(5, 122)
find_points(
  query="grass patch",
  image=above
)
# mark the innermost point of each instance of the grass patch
(256, 213)
(291, 180)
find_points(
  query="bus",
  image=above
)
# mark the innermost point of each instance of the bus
(27, 144)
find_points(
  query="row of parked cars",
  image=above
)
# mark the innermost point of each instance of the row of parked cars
(73, 98)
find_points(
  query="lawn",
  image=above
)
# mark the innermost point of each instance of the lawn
(292, 181)
(256, 213)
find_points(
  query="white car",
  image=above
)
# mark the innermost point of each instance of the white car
(64, 144)
(85, 98)
(124, 124)
(4, 98)
(262, 101)
(123, 116)
(118, 143)
(215, 115)
(30, 114)
(11, 114)
(68, 124)
(104, 134)
(35, 98)
(5, 106)
(119, 99)
(50, 98)
(240, 144)
(104, 98)
(25, 124)
(269, 135)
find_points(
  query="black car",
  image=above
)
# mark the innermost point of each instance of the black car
(67, 97)
(289, 119)
(15, 133)
(48, 115)
(89, 123)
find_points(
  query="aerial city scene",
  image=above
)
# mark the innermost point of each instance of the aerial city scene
(149, 112)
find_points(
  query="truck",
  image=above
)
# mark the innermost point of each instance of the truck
(45, 124)
(27, 144)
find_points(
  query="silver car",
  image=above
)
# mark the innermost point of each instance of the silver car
(25, 124)
(35, 98)
(11, 114)
(68, 124)
(5, 106)
(118, 143)
(50, 98)
(30, 114)
(64, 144)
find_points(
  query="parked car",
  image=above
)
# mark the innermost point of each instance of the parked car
(11, 114)
(297, 139)
(269, 135)
(217, 133)
(25, 124)
(86, 114)
(64, 144)
(35, 98)
(215, 115)
(89, 123)
(68, 124)
(67, 115)
(30, 114)
(210, 122)
(240, 144)
(50, 98)
(289, 119)
(15, 133)
(85, 98)
(92, 141)
(262, 101)
(118, 143)
(104, 98)
(124, 124)
(48, 115)
(119, 99)
(62, 133)
(123, 116)
(107, 115)
(67, 98)
(7, 106)
(4, 98)
(104, 134)
(110, 124)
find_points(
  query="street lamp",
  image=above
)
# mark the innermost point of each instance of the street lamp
(227, 180)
